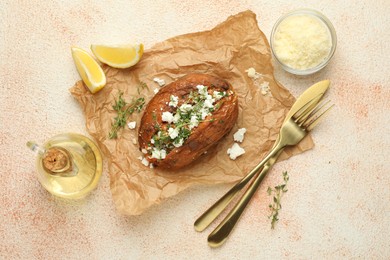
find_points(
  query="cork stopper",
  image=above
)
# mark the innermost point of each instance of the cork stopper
(57, 160)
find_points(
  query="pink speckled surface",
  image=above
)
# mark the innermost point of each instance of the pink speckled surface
(337, 205)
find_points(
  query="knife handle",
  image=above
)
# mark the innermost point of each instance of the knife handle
(215, 210)
(222, 231)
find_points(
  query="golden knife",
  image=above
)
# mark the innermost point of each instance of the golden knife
(316, 90)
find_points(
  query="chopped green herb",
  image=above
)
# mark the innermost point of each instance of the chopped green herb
(124, 110)
(196, 106)
(276, 206)
(141, 86)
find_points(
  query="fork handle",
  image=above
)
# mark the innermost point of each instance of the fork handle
(215, 210)
(222, 231)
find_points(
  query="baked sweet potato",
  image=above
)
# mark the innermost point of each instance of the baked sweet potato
(185, 118)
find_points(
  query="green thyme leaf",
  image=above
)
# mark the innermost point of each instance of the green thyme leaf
(124, 110)
(277, 195)
(141, 86)
(191, 112)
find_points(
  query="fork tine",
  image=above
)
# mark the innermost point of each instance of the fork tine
(314, 107)
(314, 120)
(306, 110)
(312, 113)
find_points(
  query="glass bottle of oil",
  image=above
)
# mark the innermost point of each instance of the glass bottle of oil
(69, 165)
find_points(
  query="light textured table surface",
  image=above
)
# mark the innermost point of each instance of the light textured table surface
(337, 204)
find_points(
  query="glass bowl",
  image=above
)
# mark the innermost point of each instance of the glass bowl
(304, 13)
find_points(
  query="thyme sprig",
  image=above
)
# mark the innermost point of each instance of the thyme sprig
(141, 86)
(275, 206)
(124, 110)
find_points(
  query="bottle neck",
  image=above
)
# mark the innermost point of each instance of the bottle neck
(57, 160)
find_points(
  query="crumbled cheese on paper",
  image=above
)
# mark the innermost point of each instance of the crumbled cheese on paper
(132, 125)
(235, 151)
(264, 88)
(143, 160)
(253, 74)
(239, 135)
(159, 81)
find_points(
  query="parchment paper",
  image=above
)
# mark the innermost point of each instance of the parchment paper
(225, 51)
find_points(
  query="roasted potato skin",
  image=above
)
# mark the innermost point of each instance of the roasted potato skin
(205, 135)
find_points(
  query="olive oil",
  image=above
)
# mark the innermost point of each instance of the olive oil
(81, 174)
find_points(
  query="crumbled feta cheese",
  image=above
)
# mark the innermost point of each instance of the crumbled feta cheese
(186, 107)
(204, 113)
(132, 125)
(144, 151)
(264, 88)
(187, 116)
(239, 135)
(210, 97)
(145, 162)
(151, 166)
(218, 95)
(160, 82)
(208, 103)
(167, 117)
(155, 90)
(235, 151)
(174, 100)
(194, 122)
(253, 74)
(173, 132)
(178, 142)
(158, 154)
(202, 89)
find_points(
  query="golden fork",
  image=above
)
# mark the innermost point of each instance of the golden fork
(291, 133)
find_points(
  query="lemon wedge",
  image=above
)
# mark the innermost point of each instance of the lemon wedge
(119, 56)
(89, 70)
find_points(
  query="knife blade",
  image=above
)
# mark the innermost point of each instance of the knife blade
(316, 90)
